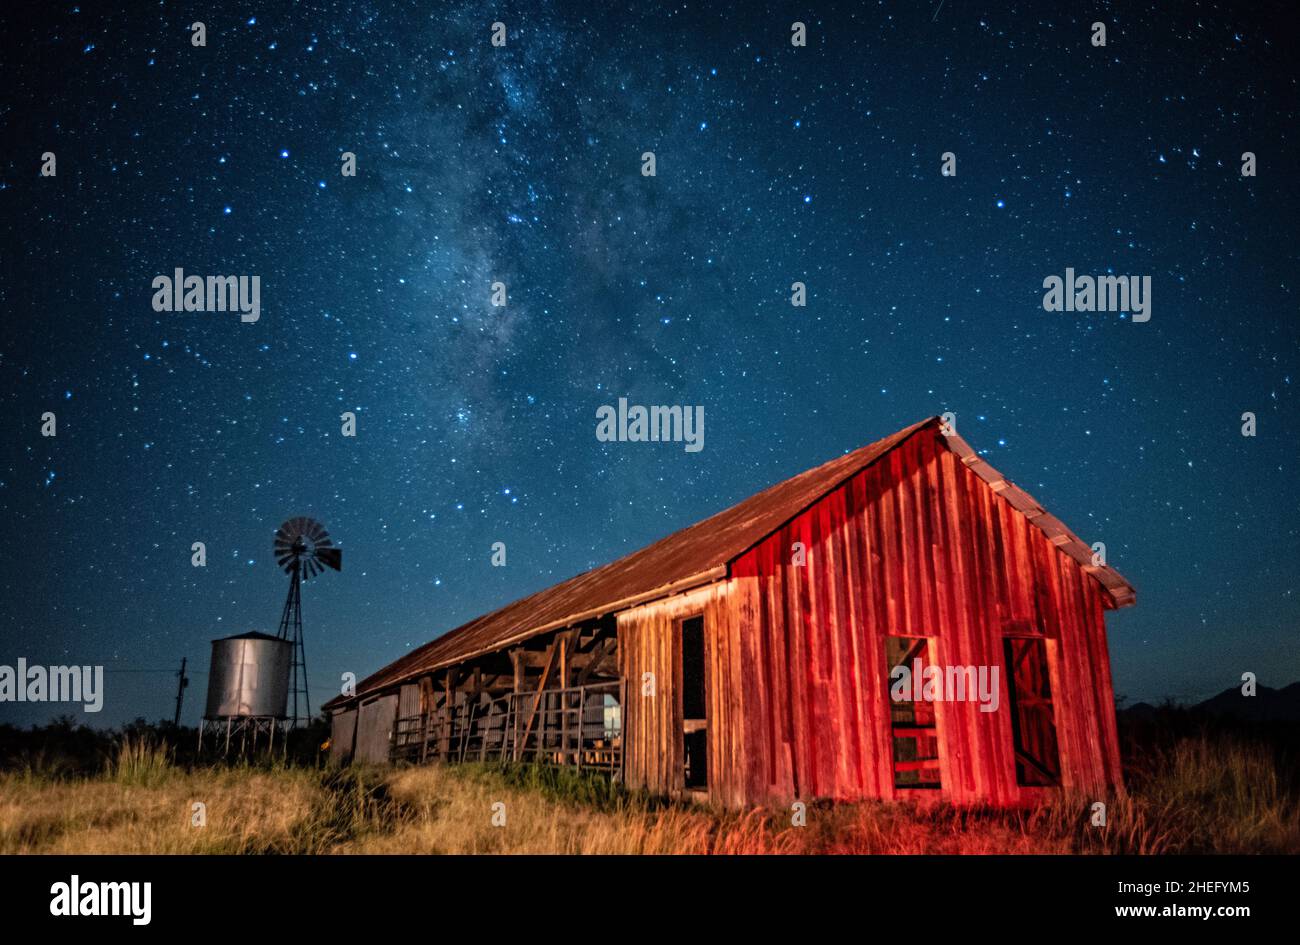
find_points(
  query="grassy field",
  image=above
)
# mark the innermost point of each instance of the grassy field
(1198, 794)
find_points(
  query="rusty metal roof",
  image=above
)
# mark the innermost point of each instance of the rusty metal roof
(695, 556)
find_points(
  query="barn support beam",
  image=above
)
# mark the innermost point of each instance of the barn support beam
(448, 712)
(605, 649)
(562, 698)
(537, 699)
(471, 694)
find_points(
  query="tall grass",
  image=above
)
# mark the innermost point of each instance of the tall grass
(1198, 794)
(1206, 795)
(142, 761)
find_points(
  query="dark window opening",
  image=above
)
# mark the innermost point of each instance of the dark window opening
(913, 725)
(694, 708)
(1033, 723)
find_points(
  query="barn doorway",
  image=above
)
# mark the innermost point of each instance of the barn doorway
(694, 705)
(914, 727)
(1033, 717)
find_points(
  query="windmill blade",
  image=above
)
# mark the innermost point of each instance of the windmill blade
(303, 543)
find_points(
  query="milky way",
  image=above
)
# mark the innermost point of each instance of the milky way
(522, 165)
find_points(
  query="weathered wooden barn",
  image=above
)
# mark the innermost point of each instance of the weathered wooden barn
(752, 657)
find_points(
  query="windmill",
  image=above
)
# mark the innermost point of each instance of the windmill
(303, 548)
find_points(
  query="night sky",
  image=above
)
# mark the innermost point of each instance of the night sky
(522, 164)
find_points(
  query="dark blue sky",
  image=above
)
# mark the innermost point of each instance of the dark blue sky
(476, 424)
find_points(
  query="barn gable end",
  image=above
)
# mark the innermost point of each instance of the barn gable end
(915, 546)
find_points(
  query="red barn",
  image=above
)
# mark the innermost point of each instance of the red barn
(759, 655)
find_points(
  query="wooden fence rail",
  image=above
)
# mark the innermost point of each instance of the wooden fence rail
(580, 726)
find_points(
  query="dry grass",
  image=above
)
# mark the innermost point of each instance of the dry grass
(247, 812)
(1198, 796)
(451, 810)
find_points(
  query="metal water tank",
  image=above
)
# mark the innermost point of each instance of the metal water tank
(249, 677)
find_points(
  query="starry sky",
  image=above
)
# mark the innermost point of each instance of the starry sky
(522, 164)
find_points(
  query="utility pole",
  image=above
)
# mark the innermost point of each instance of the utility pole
(181, 682)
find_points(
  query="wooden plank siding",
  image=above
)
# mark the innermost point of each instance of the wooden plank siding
(649, 641)
(797, 687)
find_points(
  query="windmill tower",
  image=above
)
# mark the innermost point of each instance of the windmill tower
(303, 549)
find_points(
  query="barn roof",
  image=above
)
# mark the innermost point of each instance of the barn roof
(699, 554)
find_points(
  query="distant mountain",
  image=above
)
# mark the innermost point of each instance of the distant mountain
(1267, 705)
(1141, 711)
